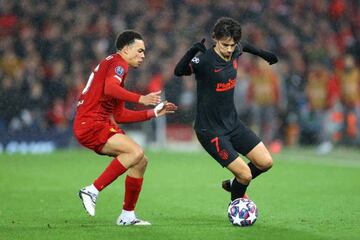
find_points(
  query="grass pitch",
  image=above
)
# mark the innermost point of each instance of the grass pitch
(303, 197)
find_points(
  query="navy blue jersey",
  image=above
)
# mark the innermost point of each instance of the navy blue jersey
(216, 80)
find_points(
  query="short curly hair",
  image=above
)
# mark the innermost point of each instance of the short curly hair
(227, 27)
(127, 37)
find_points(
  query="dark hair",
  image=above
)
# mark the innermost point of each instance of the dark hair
(227, 27)
(127, 37)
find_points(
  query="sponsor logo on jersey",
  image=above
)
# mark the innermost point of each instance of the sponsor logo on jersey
(216, 70)
(235, 64)
(195, 60)
(119, 70)
(222, 87)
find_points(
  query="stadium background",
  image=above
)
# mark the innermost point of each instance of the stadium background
(49, 48)
(47, 51)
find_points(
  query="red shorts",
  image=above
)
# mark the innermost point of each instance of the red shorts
(94, 134)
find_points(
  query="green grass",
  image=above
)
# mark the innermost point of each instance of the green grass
(303, 197)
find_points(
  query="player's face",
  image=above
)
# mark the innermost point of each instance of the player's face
(136, 53)
(226, 47)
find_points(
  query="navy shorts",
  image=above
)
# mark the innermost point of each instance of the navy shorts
(226, 148)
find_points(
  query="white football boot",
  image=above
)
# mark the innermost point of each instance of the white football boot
(128, 218)
(88, 199)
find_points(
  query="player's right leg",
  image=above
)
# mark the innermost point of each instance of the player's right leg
(127, 154)
(260, 160)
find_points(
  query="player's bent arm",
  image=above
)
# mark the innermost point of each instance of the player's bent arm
(131, 116)
(267, 56)
(152, 98)
(124, 115)
(114, 89)
(164, 108)
(183, 66)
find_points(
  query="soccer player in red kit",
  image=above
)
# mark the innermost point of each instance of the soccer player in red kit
(100, 107)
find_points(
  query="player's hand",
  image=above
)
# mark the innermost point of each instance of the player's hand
(199, 46)
(152, 98)
(164, 108)
(269, 57)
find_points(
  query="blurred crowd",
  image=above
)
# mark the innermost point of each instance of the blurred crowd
(49, 48)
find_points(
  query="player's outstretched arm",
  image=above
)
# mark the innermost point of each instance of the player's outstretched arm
(164, 108)
(182, 67)
(124, 115)
(152, 98)
(267, 56)
(114, 89)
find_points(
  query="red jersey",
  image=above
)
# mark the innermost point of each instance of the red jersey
(104, 94)
(102, 101)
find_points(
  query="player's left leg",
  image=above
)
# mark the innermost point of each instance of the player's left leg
(246, 142)
(133, 185)
(260, 160)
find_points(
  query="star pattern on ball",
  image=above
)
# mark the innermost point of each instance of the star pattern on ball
(252, 216)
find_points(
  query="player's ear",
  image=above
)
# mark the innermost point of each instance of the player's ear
(126, 49)
(214, 38)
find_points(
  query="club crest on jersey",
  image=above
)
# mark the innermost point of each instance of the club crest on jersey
(119, 70)
(195, 60)
(235, 64)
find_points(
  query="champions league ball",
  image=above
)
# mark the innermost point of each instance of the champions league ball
(242, 212)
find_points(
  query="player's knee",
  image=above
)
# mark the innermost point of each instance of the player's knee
(138, 154)
(244, 176)
(247, 177)
(144, 161)
(141, 165)
(267, 163)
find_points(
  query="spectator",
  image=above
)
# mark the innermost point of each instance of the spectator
(264, 93)
(350, 97)
(54, 44)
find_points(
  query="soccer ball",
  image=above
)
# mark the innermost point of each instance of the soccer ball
(242, 212)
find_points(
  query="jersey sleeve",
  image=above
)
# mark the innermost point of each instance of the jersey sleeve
(114, 83)
(196, 64)
(124, 115)
(238, 50)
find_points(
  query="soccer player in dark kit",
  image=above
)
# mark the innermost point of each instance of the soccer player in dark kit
(217, 124)
(100, 108)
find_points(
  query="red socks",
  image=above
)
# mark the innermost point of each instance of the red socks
(132, 191)
(112, 172)
(132, 185)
